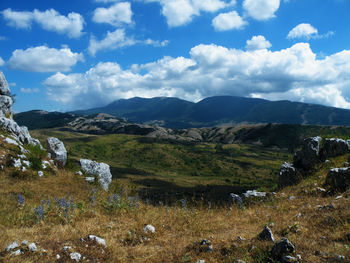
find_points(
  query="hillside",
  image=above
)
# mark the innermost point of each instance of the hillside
(176, 113)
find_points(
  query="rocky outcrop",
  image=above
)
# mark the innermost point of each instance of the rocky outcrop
(5, 99)
(309, 155)
(288, 175)
(338, 179)
(4, 87)
(101, 170)
(21, 134)
(266, 234)
(57, 151)
(334, 147)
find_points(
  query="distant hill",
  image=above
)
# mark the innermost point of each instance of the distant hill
(213, 111)
(38, 119)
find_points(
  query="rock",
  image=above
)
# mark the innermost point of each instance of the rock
(309, 155)
(79, 173)
(17, 252)
(40, 173)
(24, 243)
(334, 147)
(21, 134)
(266, 234)
(325, 207)
(101, 170)
(240, 261)
(236, 199)
(12, 246)
(282, 248)
(4, 87)
(149, 229)
(288, 175)
(98, 240)
(6, 106)
(75, 256)
(205, 246)
(57, 150)
(289, 259)
(66, 248)
(32, 247)
(321, 190)
(90, 179)
(45, 164)
(338, 179)
(254, 193)
(200, 261)
(58, 256)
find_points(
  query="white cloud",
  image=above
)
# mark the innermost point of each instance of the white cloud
(155, 43)
(115, 15)
(258, 42)
(29, 90)
(2, 62)
(18, 19)
(210, 70)
(228, 21)
(302, 31)
(261, 9)
(44, 59)
(181, 12)
(49, 20)
(113, 40)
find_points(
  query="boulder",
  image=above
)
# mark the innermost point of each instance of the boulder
(288, 175)
(282, 248)
(6, 106)
(334, 147)
(20, 133)
(57, 150)
(101, 170)
(309, 155)
(4, 87)
(338, 179)
(266, 234)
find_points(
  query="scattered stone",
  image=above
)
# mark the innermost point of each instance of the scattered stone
(240, 261)
(291, 198)
(40, 173)
(32, 247)
(240, 239)
(17, 163)
(57, 150)
(339, 197)
(200, 261)
(288, 175)
(12, 246)
(24, 243)
(75, 256)
(90, 179)
(45, 164)
(266, 234)
(338, 178)
(325, 207)
(149, 229)
(236, 199)
(80, 173)
(308, 156)
(17, 252)
(320, 190)
(97, 169)
(66, 248)
(254, 193)
(58, 256)
(289, 259)
(334, 147)
(11, 141)
(206, 246)
(282, 248)
(98, 240)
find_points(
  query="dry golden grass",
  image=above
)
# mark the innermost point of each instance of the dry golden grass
(177, 229)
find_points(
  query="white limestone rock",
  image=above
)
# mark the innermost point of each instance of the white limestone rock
(149, 229)
(4, 87)
(101, 170)
(98, 240)
(57, 150)
(75, 256)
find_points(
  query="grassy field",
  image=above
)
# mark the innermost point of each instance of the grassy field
(170, 168)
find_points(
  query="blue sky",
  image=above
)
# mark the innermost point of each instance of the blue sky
(66, 55)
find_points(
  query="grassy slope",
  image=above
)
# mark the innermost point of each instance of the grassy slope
(176, 228)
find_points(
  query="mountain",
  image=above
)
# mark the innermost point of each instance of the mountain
(213, 111)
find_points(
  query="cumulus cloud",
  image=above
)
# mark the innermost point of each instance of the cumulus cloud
(2, 62)
(113, 40)
(117, 14)
(302, 30)
(228, 21)
(44, 59)
(261, 9)
(258, 42)
(213, 70)
(307, 31)
(49, 20)
(181, 12)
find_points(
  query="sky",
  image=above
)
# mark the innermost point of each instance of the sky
(79, 54)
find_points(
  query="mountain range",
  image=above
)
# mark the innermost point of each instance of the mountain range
(213, 111)
(176, 113)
